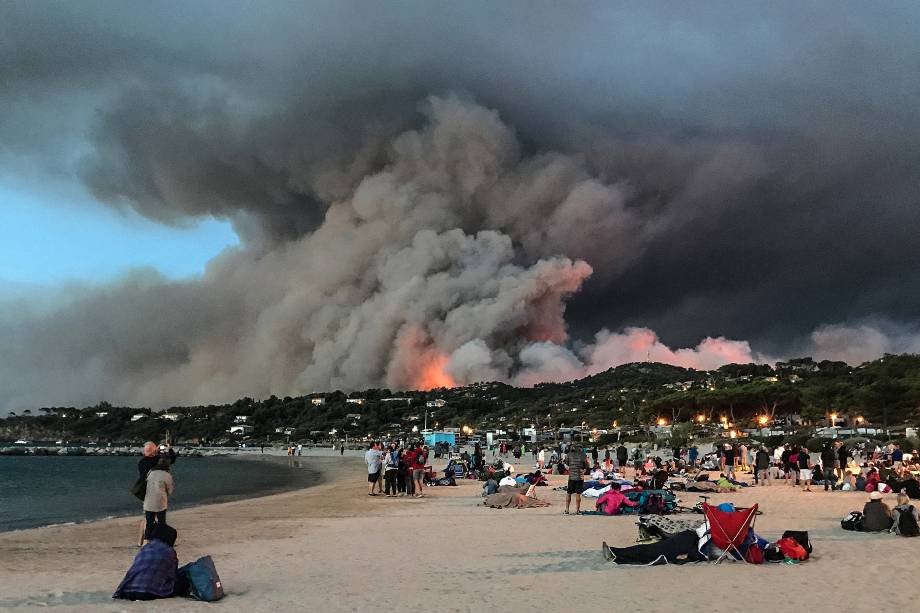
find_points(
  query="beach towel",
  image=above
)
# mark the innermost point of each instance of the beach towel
(513, 497)
(666, 526)
(152, 573)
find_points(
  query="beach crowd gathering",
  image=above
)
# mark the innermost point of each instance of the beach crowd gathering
(619, 481)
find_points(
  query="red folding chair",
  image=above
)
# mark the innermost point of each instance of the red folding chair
(729, 529)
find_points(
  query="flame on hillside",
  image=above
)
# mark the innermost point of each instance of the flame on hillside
(434, 375)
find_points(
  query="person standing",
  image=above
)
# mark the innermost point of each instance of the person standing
(828, 464)
(341, 448)
(622, 458)
(594, 455)
(608, 463)
(842, 457)
(805, 471)
(418, 470)
(160, 486)
(577, 462)
(692, 454)
(408, 461)
(392, 468)
(762, 466)
(150, 458)
(541, 458)
(728, 461)
(373, 459)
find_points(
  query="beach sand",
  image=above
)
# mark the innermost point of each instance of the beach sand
(333, 548)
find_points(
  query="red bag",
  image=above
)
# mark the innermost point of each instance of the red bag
(754, 555)
(791, 549)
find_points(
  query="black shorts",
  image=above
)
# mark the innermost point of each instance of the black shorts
(575, 487)
(372, 477)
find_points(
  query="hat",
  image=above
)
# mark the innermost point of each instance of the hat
(875, 496)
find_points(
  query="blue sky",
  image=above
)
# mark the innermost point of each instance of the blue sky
(46, 240)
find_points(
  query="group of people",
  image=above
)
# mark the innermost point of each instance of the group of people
(394, 470)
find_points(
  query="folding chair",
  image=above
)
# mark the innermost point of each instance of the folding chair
(728, 530)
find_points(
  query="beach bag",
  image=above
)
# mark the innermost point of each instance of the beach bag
(754, 554)
(907, 525)
(204, 583)
(801, 537)
(772, 553)
(791, 549)
(139, 489)
(853, 521)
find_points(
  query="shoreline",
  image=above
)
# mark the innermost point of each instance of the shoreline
(329, 547)
(301, 477)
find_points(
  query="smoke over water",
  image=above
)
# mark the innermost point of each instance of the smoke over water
(443, 211)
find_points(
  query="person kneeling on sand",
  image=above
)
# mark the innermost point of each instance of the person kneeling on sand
(876, 514)
(613, 500)
(153, 574)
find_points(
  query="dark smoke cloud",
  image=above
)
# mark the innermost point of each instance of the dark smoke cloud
(723, 170)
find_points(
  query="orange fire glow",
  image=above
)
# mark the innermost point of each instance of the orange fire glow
(433, 374)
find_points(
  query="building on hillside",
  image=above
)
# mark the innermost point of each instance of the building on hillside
(435, 404)
(353, 417)
(406, 400)
(171, 416)
(317, 401)
(138, 416)
(102, 413)
(354, 400)
(241, 419)
(241, 429)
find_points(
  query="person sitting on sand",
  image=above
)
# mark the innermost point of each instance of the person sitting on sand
(724, 484)
(596, 473)
(876, 514)
(613, 500)
(490, 487)
(508, 480)
(849, 482)
(153, 573)
(904, 518)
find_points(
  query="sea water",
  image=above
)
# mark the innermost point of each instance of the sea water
(45, 490)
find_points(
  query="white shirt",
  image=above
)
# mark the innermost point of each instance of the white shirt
(509, 480)
(778, 453)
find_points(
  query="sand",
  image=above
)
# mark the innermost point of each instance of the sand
(333, 548)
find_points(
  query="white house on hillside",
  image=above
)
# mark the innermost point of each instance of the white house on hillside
(435, 404)
(354, 400)
(317, 401)
(138, 416)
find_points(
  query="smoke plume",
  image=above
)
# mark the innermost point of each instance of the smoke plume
(433, 194)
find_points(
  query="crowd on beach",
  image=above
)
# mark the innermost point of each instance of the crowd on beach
(396, 470)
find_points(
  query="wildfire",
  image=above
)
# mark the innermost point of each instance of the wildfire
(433, 374)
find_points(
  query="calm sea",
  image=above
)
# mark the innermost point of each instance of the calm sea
(39, 491)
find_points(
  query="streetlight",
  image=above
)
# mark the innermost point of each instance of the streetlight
(700, 418)
(662, 421)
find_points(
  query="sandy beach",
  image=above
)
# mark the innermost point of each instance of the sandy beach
(332, 548)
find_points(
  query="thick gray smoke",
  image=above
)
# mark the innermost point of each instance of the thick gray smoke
(447, 193)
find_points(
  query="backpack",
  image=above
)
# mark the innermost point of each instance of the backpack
(800, 537)
(907, 525)
(853, 521)
(655, 505)
(204, 583)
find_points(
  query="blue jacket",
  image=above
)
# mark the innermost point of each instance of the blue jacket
(152, 572)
